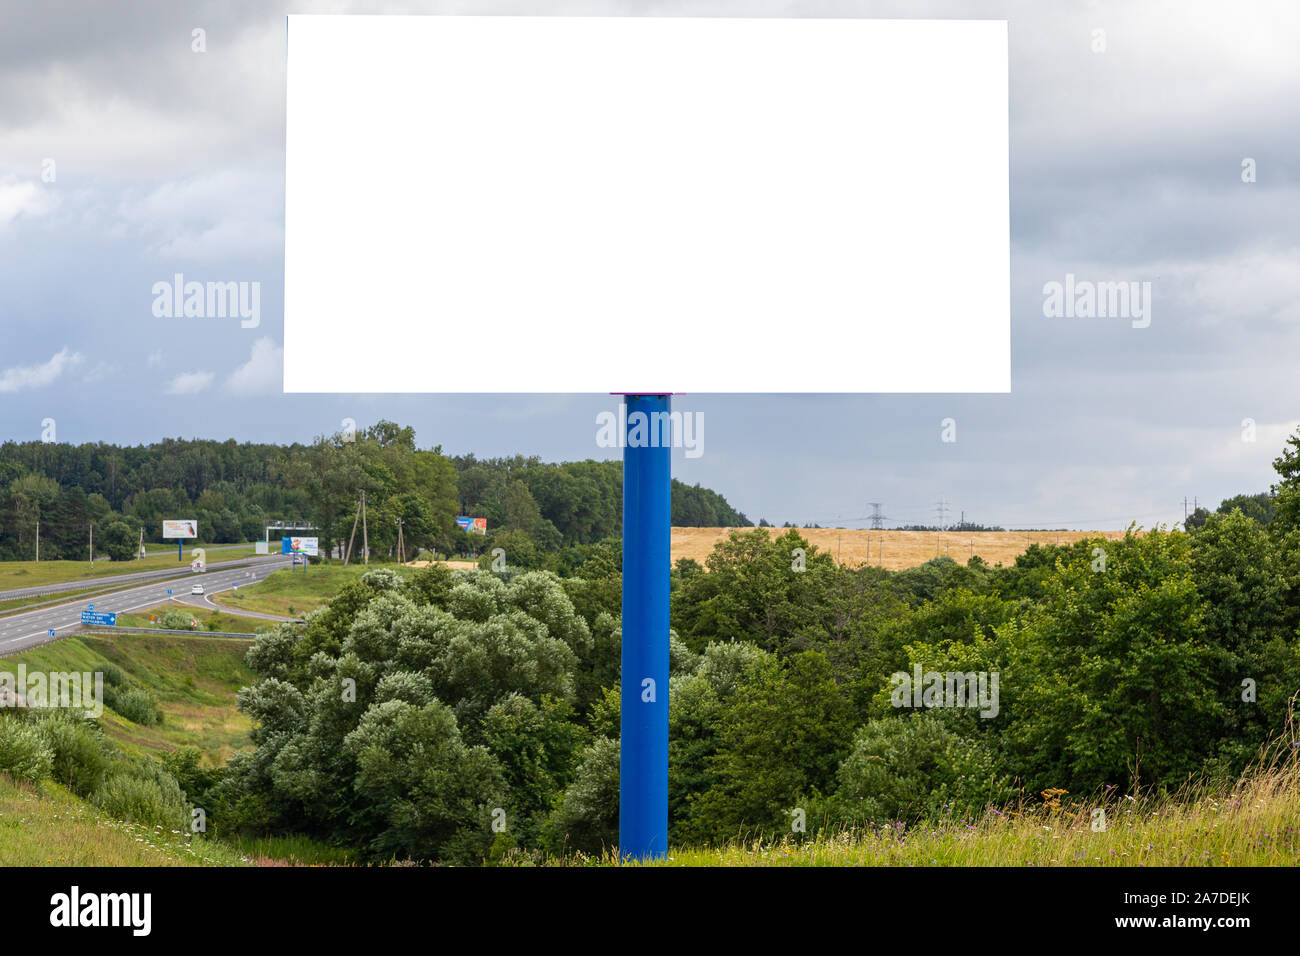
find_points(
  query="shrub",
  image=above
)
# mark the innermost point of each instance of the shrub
(141, 791)
(184, 764)
(24, 755)
(915, 767)
(135, 704)
(80, 757)
(586, 818)
(175, 620)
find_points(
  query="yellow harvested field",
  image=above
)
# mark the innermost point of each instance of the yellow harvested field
(454, 565)
(894, 549)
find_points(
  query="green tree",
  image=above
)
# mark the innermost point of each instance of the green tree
(119, 541)
(586, 818)
(1287, 490)
(780, 740)
(435, 794)
(534, 746)
(914, 767)
(1111, 680)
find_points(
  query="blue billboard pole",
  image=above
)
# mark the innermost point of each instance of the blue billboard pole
(643, 753)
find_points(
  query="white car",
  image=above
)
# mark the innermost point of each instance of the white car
(197, 589)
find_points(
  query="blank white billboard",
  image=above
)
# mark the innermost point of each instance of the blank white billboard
(557, 204)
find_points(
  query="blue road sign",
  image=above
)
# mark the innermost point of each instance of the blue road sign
(90, 607)
(51, 632)
(169, 590)
(102, 618)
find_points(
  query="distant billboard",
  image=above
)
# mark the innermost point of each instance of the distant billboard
(472, 524)
(180, 529)
(299, 546)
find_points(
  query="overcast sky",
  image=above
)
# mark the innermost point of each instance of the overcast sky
(1126, 165)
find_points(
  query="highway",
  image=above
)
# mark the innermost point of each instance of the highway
(18, 632)
(112, 580)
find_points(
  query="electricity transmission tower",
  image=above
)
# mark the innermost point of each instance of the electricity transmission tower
(942, 508)
(877, 519)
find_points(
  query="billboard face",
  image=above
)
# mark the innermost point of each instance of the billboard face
(299, 546)
(180, 529)
(810, 180)
(472, 524)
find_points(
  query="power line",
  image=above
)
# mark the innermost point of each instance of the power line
(1094, 523)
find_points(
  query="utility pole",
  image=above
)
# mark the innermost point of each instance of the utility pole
(347, 555)
(401, 545)
(92, 544)
(38, 541)
(140, 551)
(365, 538)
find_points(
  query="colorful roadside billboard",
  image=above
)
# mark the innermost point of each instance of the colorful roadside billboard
(472, 524)
(299, 546)
(185, 528)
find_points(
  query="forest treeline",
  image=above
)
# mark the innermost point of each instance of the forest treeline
(233, 489)
(459, 716)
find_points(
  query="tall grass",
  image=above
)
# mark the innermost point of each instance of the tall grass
(290, 593)
(52, 827)
(1252, 821)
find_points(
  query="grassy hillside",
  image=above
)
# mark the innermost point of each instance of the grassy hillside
(48, 826)
(208, 619)
(194, 678)
(1256, 823)
(294, 592)
(51, 827)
